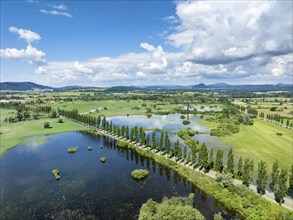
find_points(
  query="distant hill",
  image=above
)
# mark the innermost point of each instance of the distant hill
(70, 87)
(123, 88)
(243, 87)
(21, 86)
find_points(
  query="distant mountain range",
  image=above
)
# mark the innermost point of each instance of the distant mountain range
(33, 86)
(243, 87)
(22, 86)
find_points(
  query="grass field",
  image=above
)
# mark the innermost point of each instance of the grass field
(260, 142)
(115, 107)
(6, 113)
(12, 133)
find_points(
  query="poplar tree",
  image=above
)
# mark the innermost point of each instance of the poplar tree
(161, 141)
(148, 140)
(240, 167)
(281, 186)
(246, 171)
(275, 172)
(291, 178)
(167, 144)
(230, 162)
(179, 152)
(211, 158)
(219, 161)
(185, 152)
(98, 121)
(262, 177)
(104, 123)
(176, 149)
(154, 139)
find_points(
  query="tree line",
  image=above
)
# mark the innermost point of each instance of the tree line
(201, 157)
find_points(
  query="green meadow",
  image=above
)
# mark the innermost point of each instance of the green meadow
(116, 107)
(261, 142)
(12, 133)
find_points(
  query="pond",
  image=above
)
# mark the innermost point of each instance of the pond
(88, 188)
(172, 122)
(203, 108)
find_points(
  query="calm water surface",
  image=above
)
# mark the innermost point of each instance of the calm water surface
(88, 189)
(172, 122)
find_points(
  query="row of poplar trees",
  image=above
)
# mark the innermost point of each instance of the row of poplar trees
(202, 157)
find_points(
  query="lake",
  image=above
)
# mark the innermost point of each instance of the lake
(88, 188)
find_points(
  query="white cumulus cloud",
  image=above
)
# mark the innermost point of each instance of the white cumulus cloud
(29, 54)
(27, 35)
(81, 68)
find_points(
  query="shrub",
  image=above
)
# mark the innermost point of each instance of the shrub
(279, 134)
(89, 148)
(218, 216)
(56, 174)
(224, 179)
(72, 150)
(224, 129)
(103, 159)
(180, 208)
(122, 144)
(182, 116)
(46, 124)
(139, 174)
(53, 114)
(60, 120)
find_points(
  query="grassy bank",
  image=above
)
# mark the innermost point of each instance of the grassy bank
(237, 198)
(12, 133)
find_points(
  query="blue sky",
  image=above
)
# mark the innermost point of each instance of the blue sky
(105, 43)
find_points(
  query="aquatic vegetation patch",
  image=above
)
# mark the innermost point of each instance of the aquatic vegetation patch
(56, 174)
(72, 150)
(139, 174)
(103, 159)
(186, 122)
(89, 148)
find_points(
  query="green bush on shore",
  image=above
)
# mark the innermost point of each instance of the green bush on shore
(179, 208)
(139, 174)
(122, 144)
